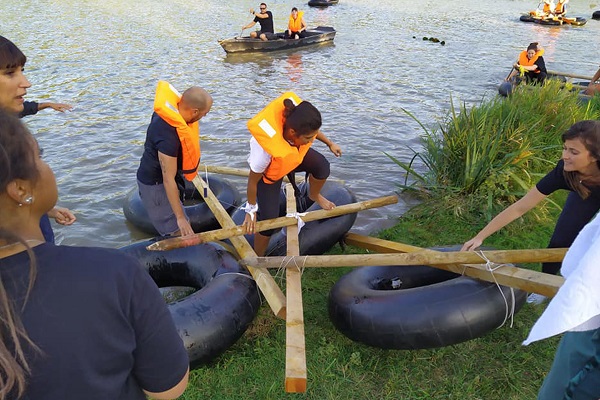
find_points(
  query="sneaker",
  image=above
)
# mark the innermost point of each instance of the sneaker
(536, 299)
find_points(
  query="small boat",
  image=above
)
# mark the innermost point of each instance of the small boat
(553, 21)
(320, 34)
(322, 3)
(596, 15)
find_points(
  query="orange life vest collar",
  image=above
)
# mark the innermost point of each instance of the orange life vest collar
(166, 104)
(267, 128)
(295, 25)
(524, 60)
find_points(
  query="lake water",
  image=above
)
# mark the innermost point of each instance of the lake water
(105, 57)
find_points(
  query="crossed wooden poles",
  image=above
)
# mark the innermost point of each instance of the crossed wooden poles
(473, 264)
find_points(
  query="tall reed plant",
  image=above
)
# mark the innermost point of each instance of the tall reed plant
(483, 157)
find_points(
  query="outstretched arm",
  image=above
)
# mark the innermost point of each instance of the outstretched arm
(514, 211)
(334, 148)
(62, 107)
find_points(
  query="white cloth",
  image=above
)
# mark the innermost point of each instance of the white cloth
(576, 306)
(259, 159)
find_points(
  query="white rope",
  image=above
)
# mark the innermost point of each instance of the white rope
(298, 216)
(491, 267)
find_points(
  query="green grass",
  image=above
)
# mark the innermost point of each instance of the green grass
(495, 366)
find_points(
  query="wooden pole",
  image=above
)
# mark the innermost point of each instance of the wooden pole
(521, 278)
(263, 278)
(568, 75)
(417, 258)
(226, 233)
(295, 344)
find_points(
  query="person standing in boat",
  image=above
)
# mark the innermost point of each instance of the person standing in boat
(76, 322)
(579, 172)
(530, 64)
(593, 87)
(265, 19)
(172, 147)
(282, 136)
(296, 25)
(13, 88)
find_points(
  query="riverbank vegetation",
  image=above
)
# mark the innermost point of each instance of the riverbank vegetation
(476, 162)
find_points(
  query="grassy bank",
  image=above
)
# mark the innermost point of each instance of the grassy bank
(478, 161)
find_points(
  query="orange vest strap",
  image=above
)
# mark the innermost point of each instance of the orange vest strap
(166, 105)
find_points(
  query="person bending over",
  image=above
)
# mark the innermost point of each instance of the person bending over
(578, 171)
(172, 148)
(282, 136)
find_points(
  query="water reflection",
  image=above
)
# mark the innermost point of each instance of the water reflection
(294, 67)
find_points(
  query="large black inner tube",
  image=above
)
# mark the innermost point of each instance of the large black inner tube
(417, 307)
(213, 318)
(315, 237)
(200, 215)
(596, 15)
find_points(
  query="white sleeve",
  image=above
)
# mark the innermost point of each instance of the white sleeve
(259, 159)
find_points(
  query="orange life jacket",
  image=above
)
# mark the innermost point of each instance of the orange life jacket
(166, 104)
(560, 8)
(296, 24)
(523, 60)
(547, 9)
(267, 128)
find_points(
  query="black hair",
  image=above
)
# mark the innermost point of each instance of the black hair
(304, 118)
(10, 55)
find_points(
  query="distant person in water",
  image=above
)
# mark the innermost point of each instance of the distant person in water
(13, 87)
(265, 19)
(530, 65)
(594, 87)
(296, 25)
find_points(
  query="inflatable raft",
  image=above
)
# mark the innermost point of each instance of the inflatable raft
(418, 307)
(221, 308)
(200, 215)
(315, 237)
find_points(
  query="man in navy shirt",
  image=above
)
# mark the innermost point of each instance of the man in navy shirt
(162, 162)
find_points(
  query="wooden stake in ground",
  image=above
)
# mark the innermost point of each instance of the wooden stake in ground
(263, 278)
(226, 233)
(521, 278)
(295, 347)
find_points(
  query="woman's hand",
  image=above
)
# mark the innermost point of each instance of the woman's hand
(472, 244)
(249, 224)
(335, 149)
(62, 215)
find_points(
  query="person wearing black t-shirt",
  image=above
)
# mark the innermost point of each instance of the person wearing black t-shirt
(579, 172)
(265, 19)
(76, 322)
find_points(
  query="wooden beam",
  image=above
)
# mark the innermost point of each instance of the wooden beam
(531, 281)
(568, 75)
(263, 278)
(295, 344)
(226, 233)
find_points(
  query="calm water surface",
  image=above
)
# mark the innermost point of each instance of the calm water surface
(105, 57)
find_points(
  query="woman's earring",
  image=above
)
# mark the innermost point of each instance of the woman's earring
(27, 200)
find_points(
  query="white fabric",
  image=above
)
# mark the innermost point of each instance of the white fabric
(576, 306)
(259, 159)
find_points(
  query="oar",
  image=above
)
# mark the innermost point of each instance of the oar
(566, 74)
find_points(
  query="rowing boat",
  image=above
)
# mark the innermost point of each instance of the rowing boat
(318, 35)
